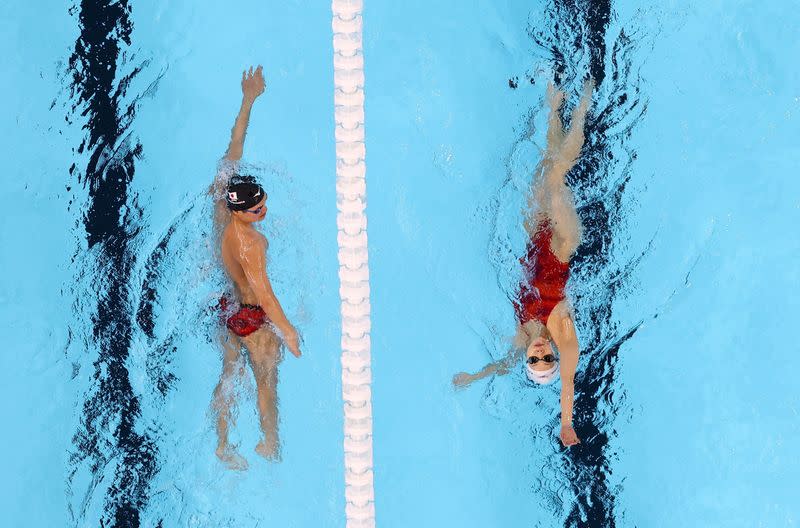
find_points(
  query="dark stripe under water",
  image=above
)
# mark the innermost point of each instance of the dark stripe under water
(120, 455)
(595, 501)
(571, 27)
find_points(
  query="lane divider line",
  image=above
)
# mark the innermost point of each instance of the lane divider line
(351, 221)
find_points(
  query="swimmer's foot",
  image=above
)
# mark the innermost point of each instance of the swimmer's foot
(269, 450)
(231, 458)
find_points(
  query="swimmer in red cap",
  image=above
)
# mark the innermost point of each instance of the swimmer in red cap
(544, 314)
(252, 314)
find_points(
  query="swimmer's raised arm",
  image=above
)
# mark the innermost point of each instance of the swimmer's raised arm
(253, 85)
(254, 265)
(503, 366)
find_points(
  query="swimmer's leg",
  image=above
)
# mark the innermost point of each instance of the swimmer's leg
(555, 137)
(223, 400)
(559, 202)
(555, 128)
(264, 348)
(572, 144)
(567, 227)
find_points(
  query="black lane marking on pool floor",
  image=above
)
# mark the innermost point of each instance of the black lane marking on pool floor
(569, 27)
(120, 455)
(595, 500)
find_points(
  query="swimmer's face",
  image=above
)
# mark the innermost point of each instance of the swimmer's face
(539, 348)
(255, 213)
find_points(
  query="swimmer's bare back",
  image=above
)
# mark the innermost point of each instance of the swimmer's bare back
(232, 247)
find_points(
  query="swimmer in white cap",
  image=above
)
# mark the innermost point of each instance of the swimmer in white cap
(543, 311)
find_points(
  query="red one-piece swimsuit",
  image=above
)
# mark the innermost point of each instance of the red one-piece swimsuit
(543, 279)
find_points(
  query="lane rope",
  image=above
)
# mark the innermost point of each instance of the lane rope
(351, 221)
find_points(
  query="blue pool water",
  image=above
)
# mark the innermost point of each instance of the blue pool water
(683, 288)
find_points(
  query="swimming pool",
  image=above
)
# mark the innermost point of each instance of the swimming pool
(686, 188)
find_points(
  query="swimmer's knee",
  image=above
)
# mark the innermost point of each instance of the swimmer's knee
(266, 377)
(264, 363)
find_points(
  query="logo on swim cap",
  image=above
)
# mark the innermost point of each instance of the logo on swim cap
(244, 194)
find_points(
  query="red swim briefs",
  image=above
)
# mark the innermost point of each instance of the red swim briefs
(243, 322)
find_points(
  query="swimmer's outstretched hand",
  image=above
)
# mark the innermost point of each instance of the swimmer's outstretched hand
(253, 83)
(292, 341)
(462, 379)
(568, 436)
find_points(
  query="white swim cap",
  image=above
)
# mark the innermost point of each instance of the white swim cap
(543, 377)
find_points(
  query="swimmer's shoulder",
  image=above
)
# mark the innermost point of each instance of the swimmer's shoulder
(257, 237)
(250, 238)
(560, 322)
(226, 235)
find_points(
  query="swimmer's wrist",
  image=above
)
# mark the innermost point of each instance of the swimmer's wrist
(289, 333)
(250, 98)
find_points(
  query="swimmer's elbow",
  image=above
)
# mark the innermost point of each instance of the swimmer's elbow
(265, 299)
(568, 336)
(235, 151)
(563, 332)
(269, 303)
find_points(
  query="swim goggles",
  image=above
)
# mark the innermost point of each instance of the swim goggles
(547, 358)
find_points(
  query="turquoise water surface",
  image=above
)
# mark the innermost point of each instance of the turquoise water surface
(117, 113)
